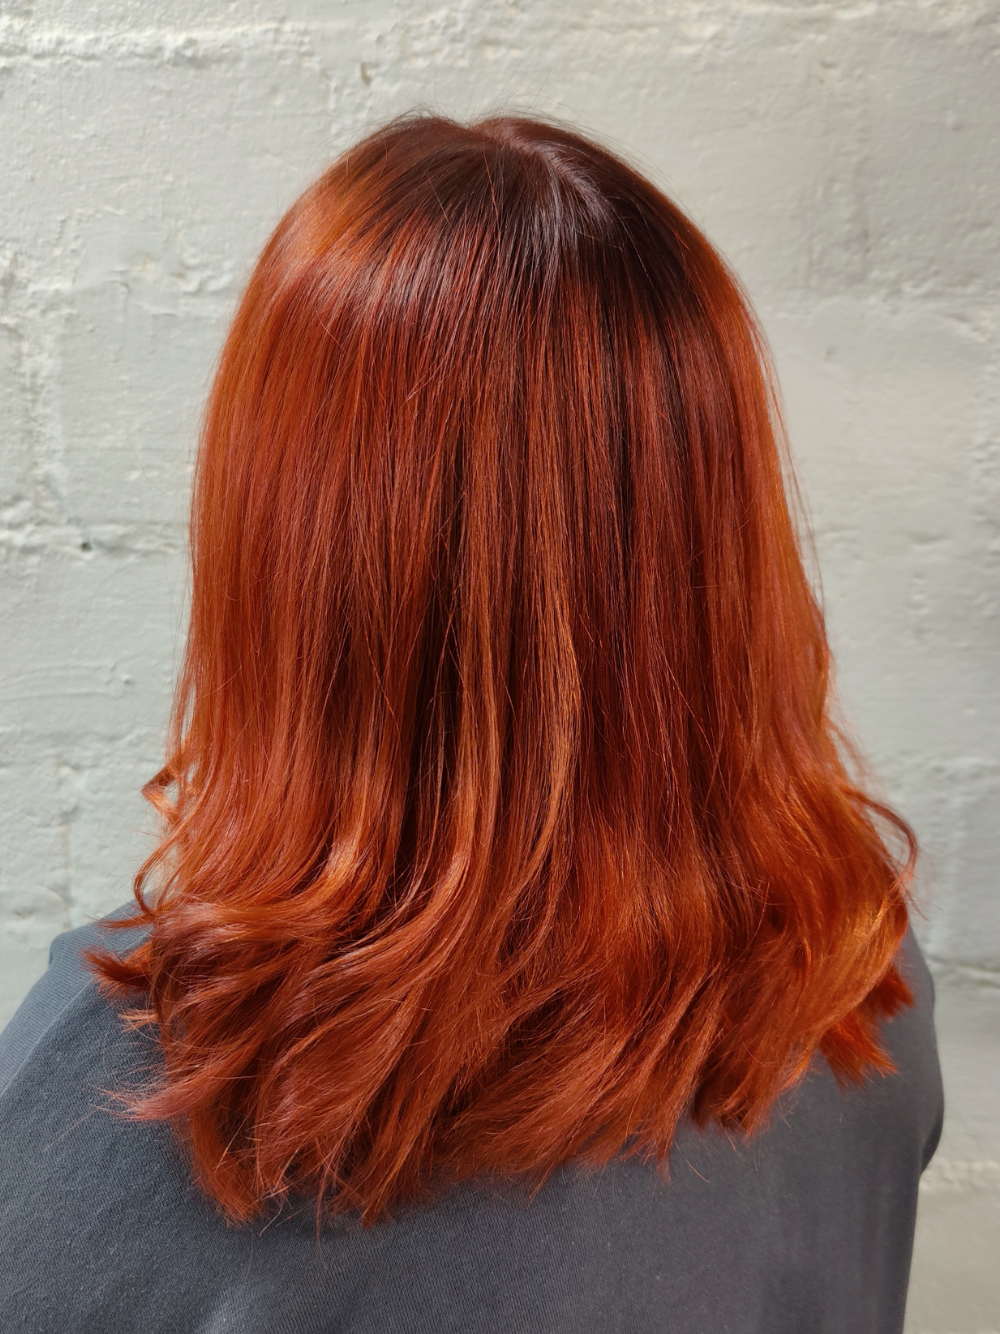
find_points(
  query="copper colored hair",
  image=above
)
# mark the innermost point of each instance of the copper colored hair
(505, 822)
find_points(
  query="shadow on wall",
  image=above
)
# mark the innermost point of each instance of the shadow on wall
(953, 1285)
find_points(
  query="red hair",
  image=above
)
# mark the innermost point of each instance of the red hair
(505, 820)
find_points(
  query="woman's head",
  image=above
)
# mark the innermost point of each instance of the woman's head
(505, 820)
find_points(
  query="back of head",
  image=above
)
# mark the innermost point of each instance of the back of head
(505, 823)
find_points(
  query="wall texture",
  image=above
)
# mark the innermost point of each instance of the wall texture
(844, 156)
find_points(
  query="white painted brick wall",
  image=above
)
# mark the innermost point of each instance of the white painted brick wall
(845, 157)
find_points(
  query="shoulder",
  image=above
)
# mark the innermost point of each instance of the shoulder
(66, 979)
(911, 1041)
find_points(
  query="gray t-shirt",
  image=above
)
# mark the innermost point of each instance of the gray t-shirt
(806, 1228)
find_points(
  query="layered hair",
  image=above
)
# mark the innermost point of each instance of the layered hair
(505, 823)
